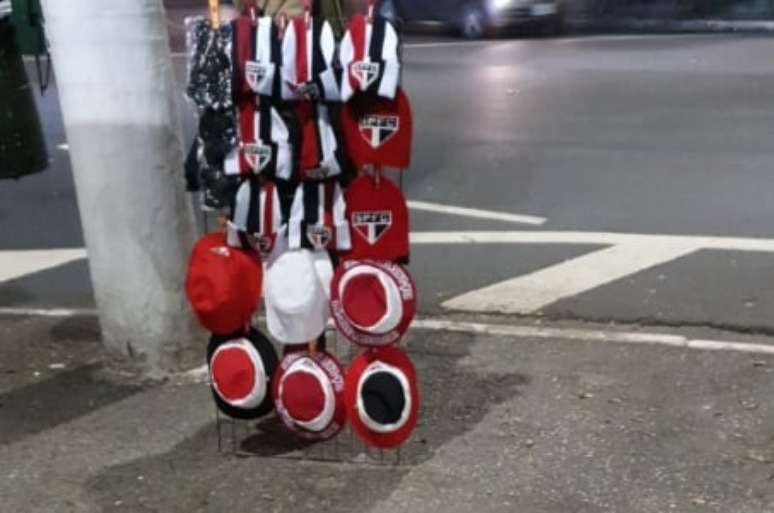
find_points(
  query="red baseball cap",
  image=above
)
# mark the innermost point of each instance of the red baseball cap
(308, 394)
(372, 302)
(382, 397)
(378, 219)
(379, 131)
(223, 284)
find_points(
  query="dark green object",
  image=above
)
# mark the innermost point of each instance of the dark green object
(22, 148)
(27, 17)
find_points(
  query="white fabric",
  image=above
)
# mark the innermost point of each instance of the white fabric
(393, 312)
(258, 393)
(263, 44)
(296, 304)
(376, 427)
(309, 366)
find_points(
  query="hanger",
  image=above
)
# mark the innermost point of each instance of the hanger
(308, 12)
(370, 10)
(214, 9)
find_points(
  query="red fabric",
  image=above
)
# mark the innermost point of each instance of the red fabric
(364, 300)
(310, 147)
(396, 358)
(243, 51)
(223, 284)
(368, 204)
(246, 131)
(302, 396)
(357, 32)
(233, 373)
(390, 147)
(302, 63)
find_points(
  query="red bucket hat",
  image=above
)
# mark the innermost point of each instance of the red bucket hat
(372, 302)
(223, 284)
(241, 369)
(379, 131)
(378, 219)
(309, 394)
(382, 397)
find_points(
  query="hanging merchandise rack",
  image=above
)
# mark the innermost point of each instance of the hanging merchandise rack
(296, 132)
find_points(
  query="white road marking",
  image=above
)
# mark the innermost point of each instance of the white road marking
(17, 263)
(450, 44)
(532, 292)
(63, 147)
(47, 312)
(476, 213)
(629, 253)
(591, 335)
(594, 238)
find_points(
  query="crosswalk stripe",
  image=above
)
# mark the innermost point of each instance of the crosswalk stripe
(17, 263)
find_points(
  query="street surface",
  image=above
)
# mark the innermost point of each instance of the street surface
(583, 141)
(594, 249)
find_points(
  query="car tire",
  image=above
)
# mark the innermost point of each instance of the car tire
(473, 22)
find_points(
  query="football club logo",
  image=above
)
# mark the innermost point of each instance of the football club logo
(257, 155)
(372, 225)
(377, 129)
(365, 72)
(319, 236)
(255, 72)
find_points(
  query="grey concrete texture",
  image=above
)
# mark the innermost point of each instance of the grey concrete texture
(507, 424)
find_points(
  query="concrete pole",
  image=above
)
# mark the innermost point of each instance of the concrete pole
(117, 92)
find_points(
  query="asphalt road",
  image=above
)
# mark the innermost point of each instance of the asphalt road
(654, 135)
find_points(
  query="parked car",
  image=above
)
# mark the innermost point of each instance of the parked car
(477, 18)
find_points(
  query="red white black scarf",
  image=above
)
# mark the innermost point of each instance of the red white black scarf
(307, 61)
(257, 217)
(317, 218)
(369, 55)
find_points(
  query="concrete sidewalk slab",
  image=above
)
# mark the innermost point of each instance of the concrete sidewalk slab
(508, 424)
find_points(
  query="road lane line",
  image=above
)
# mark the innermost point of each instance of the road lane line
(17, 263)
(475, 213)
(530, 293)
(47, 312)
(592, 335)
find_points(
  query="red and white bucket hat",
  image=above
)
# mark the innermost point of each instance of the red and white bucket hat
(382, 396)
(372, 302)
(308, 393)
(241, 369)
(369, 54)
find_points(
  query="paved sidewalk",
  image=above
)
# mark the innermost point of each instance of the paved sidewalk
(509, 424)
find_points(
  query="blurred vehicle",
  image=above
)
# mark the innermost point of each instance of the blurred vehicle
(477, 18)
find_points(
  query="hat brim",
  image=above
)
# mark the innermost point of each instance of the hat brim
(396, 358)
(333, 370)
(408, 303)
(270, 362)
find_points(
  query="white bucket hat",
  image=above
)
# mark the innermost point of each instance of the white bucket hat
(296, 296)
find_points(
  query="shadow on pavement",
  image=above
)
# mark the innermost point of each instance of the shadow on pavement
(455, 400)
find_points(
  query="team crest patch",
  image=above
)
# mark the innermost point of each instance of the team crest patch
(255, 72)
(319, 236)
(372, 225)
(377, 129)
(257, 155)
(365, 72)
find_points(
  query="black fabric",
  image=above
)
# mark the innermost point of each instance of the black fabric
(375, 52)
(210, 81)
(192, 181)
(383, 398)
